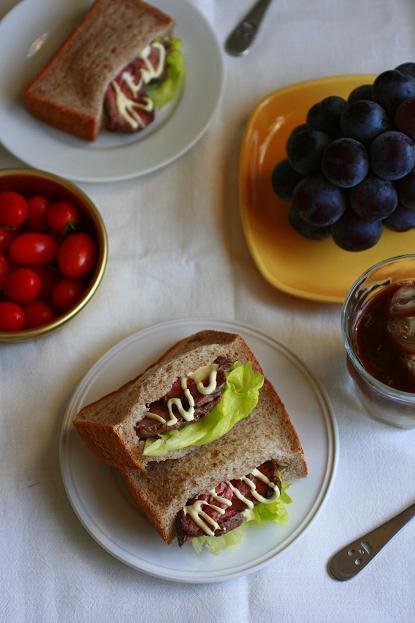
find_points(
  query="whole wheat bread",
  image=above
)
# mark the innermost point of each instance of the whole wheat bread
(68, 92)
(107, 425)
(165, 488)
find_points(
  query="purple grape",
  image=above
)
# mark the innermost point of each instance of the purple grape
(305, 150)
(363, 120)
(305, 229)
(353, 233)
(297, 129)
(405, 117)
(406, 190)
(364, 92)
(345, 162)
(391, 88)
(284, 179)
(392, 155)
(401, 219)
(318, 202)
(407, 68)
(325, 115)
(374, 199)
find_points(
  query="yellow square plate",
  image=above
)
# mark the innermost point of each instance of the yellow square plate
(316, 270)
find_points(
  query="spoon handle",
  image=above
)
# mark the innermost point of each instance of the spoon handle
(240, 39)
(355, 556)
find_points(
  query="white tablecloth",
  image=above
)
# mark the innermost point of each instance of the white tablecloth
(165, 230)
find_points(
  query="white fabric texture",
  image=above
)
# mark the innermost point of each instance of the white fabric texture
(177, 250)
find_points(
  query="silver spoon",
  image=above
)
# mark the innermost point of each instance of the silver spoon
(240, 39)
(355, 556)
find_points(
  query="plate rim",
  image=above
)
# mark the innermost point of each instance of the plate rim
(332, 444)
(166, 161)
(243, 202)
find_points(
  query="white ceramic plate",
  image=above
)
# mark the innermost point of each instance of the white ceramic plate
(110, 518)
(31, 32)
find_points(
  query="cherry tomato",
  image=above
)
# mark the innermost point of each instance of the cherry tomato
(67, 293)
(22, 286)
(5, 239)
(33, 249)
(13, 209)
(38, 314)
(60, 214)
(77, 255)
(12, 317)
(38, 208)
(49, 277)
(4, 269)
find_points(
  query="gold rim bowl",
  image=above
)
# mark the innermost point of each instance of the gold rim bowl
(32, 182)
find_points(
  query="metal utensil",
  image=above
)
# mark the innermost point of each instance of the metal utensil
(240, 39)
(355, 556)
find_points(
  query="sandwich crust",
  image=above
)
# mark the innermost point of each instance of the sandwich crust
(164, 488)
(107, 425)
(68, 92)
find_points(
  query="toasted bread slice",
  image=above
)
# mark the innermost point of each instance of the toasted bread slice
(165, 488)
(68, 92)
(107, 425)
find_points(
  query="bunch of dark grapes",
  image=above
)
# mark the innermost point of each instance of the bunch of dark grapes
(350, 169)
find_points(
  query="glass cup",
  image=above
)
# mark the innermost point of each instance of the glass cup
(382, 402)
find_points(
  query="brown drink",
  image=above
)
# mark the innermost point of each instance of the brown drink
(384, 336)
(378, 322)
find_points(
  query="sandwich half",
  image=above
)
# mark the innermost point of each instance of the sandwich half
(239, 478)
(106, 69)
(199, 390)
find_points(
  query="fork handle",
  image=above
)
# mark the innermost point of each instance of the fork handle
(241, 38)
(354, 557)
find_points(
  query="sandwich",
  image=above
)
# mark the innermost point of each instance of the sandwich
(199, 390)
(114, 69)
(210, 496)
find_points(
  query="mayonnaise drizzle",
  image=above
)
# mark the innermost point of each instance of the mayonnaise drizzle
(149, 72)
(219, 498)
(128, 108)
(240, 495)
(188, 414)
(198, 515)
(154, 416)
(258, 474)
(200, 375)
(132, 85)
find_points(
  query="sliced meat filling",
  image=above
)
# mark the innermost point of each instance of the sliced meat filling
(150, 427)
(226, 504)
(127, 105)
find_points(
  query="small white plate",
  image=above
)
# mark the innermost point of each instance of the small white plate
(100, 503)
(32, 31)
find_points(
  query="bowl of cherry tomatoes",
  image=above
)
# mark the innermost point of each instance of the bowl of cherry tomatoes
(53, 252)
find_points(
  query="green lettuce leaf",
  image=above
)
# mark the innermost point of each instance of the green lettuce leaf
(215, 544)
(237, 401)
(275, 511)
(166, 91)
